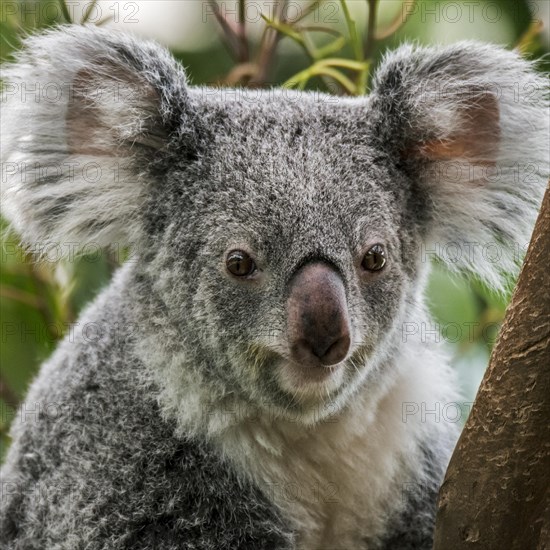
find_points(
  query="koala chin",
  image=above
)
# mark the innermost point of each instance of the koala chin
(263, 377)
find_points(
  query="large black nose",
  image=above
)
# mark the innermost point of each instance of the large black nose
(318, 325)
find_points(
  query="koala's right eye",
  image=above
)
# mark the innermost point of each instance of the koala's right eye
(240, 264)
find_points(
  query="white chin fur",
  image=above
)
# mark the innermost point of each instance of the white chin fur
(316, 386)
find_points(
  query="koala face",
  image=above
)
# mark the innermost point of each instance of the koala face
(300, 267)
(281, 232)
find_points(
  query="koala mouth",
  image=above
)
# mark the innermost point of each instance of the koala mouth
(279, 371)
(316, 382)
(307, 374)
(310, 381)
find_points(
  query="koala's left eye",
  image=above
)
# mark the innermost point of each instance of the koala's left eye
(374, 259)
(240, 264)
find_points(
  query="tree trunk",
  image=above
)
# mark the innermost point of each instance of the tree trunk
(496, 493)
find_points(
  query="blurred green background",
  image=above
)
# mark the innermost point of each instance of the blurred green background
(328, 40)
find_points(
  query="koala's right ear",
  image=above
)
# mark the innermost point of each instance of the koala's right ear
(85, 115)
(468, 123)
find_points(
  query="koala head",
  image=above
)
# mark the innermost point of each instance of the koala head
(286, 234)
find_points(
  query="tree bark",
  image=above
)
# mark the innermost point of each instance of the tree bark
(496, 493)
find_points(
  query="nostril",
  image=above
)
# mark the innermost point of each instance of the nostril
(327, 352)
(336, 352)
(320, 348)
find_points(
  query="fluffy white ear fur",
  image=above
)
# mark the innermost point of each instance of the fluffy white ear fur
(473, 120)
(80, 109)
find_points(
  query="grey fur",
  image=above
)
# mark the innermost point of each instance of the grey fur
(144, 453)
(95, 472)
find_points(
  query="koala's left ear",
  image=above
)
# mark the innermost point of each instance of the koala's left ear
(469, 123)
(86, 115)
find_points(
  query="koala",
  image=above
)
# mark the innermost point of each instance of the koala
(249, 381)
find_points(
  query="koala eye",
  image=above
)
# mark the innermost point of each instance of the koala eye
(240, 264)
(374, 259)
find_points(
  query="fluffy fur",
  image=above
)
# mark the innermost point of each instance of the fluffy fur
(178, 428)
(485, 195)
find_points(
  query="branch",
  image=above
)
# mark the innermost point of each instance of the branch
(395, 25)
(371, 26)
(231, 35)
(270, 41)
(243, 52)
(495, 494)
(65, 11)
(88, 13)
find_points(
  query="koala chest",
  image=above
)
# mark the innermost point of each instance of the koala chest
(337, 482)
